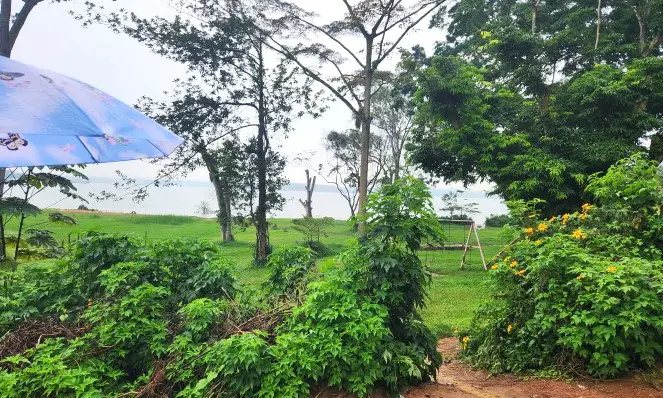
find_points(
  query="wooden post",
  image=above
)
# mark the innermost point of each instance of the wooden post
(483, 259)
(467, 245)
(473, 228)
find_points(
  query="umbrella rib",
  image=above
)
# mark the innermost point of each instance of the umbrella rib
(158, 149)
(88, 151)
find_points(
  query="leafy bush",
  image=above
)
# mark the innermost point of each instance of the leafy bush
(312, 228)
(580, 290)
(166, 320)
(290, 270)
(338, 336)
(95, 253)
(499, 220)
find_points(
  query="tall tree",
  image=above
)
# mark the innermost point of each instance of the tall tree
(538, 111)
(394, 119)
(381, 25)
(228, 44)
(210, 124)
(345, 151)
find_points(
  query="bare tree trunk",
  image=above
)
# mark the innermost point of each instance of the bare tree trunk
(308, 203)
(643, 30)
(598, 25)
(365, 133)
(535, 10)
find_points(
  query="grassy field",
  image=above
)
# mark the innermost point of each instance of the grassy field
(454, 295)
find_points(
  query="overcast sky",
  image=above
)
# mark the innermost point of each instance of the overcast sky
(52, 39)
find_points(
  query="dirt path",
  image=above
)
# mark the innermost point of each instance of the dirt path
(457, 380)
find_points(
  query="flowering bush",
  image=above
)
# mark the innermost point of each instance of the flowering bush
(581, 289)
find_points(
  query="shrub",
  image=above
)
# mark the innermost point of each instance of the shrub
(580, 289)
(290, 270)
(499, 220)
(95, 253)
(339, 337)
(312, 228)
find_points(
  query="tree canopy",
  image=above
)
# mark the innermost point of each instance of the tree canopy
(537, 96)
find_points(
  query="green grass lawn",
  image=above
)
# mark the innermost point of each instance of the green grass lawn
(453, 297)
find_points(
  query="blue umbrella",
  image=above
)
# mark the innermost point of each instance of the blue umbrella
(48, 119)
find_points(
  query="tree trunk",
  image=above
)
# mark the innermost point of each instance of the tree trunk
(221, 194)
(228, 220)
(261, 216)
(365, 133)
(5, 17)
(3, 249)
(643, 30)
(308, 203)
(261, 154)
(598, 25)
(220, 199)
(535, 10)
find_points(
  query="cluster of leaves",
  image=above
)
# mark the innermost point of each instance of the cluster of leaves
(499, 220)
(580, 291)
(290, 270)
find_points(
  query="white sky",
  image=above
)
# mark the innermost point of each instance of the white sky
(52, 39)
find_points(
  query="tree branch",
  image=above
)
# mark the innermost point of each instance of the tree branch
(356, 19)
(21, 17)
(337, 41)
(407, 30)
(5, 17)
(281, 49)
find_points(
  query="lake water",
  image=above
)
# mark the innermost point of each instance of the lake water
(184, 200)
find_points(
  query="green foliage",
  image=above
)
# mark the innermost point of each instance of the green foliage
(290, 270)
(399, 217)
(498, 220)
(536, 97)
(38, 290)
(95, 253)
(338, 336)
(167, 318)
(312, 228)
(582, 288)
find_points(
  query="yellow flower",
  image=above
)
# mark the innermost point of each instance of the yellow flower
(543, 227)
(494, 267)
(581, 276)
(521, 272)
(538, 242)
(509, 328)
(466, 339)
(565, 218)
(529, 230)
(586, 207)
(583, 216)
(611, 268)
(513, 264)
(552, 219)
(578, 234)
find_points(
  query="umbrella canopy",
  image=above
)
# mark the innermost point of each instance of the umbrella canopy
(48, 119)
